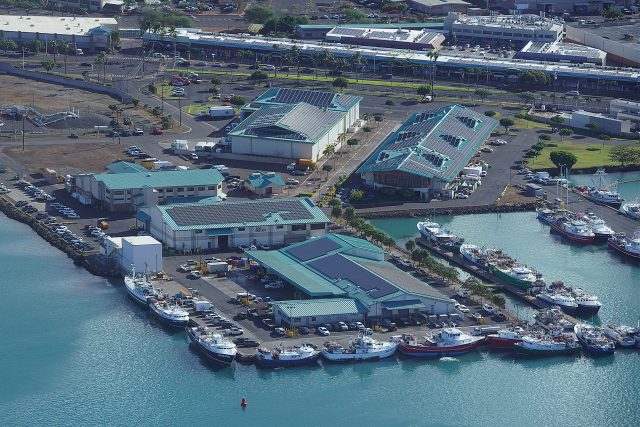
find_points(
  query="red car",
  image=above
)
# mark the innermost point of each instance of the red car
(156, 131)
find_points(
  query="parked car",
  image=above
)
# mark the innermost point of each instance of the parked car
(463, 308)
(280, 331)
(303, 330)
(323, 331)
(292, 181)
(489, 308)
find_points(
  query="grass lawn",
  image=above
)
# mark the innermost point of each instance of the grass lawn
(166, 90)
(589, 155)
(194, 110)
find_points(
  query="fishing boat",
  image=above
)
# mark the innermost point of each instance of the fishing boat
(588, 304)
(593, 340)
(605, 194)
(552, 318)
(286, 357)
(139, 288)
(632, 210)
(438, 234)
(625, 245)
(513, 272)
(475, 255)
(560, 298)
(547, 345)
(599, 227)
(622, 336)
(213, 346)
(574, 230)
(446, 343)
(547, 215)
(169, 313)
(362, 348)
(505, 339)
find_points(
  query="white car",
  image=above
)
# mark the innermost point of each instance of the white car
(291, 181)
(499, 142)
(486, 149)
(489, 308)
(274, 285)
(463, 308)
(323, 331)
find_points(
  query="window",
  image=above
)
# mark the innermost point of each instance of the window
(211, 188)
(297, 320)
(118, 193)
(240, 228)
(160, 190)
(298, 227)
(279, 227)
(313, 319)
(180, 189)
(318, 226)
(201, 188)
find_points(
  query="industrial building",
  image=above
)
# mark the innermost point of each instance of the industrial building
(319, 31)
(89, 34)
(556, 7)
(428, 151)
(314, 312)
(144, 253)
(399, 39)
(517, 30)
(127, 186)
(264, 183)
(294, 123)
(620, 42)
(207, 225)
(341, 267)
(562, 52)
(580, 119)
(439, 7)
(622, 109)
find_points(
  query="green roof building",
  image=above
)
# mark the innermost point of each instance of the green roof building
(336, 266)
(264, 183)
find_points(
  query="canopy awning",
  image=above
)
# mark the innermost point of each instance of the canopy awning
(219, 232)
(403, 305)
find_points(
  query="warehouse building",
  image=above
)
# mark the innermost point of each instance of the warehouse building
(294, 123)
(89, 34)
(401, 38)
(517, 30)
(207, 225)
(562, 52)
(331, 269)
(127, 186)
(264, 183)
(582, 119)
(623, 109)
(428, 151)
(319, 31)
(144, 253)
(440, 7)
(619, 41)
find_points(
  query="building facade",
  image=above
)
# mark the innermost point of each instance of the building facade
(224, 225)
(626, 110)
(439, 7)
(315, 312)
(428, 151)
(400, 38)
(580, 119)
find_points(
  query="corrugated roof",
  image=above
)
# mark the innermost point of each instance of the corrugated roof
(435, 143)
(398, 25)
(261, 179)
(247, 213)
(321, 99)
(164, 179)
(125, 167)
(320, 307)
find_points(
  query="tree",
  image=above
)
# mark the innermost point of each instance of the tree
(557, 120)
(237, 101)
(527, 97)
(591, 126)
(101, 59)
(329, 150)
(482, 94)
(283, 25)
(563, 158)
(507, 122)
(624, 154)
(48, 65)
(65, 45)
(349, 213)
(158, 22)
(259, 76)
(336, 211)
(214, 90)
(544, 137)
(410, 245)
(352, 142)
(6, 44)
(340, 83)
(611, 12)
(355, 16)
(499, 300)
(423, 90)
(490, 113)
(216, 81)
(389, 103)
(356, 195)
(564, 132)
(258, 14)
(533, 79)
(327, 168)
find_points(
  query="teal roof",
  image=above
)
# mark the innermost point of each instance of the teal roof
(436, 143)
(164, 179)
(297, 265)
(260, 179)
(320, 307)
(334, 101)
(246, 213)
(125, 167)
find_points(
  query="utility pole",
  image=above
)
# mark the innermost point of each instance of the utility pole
(180, 109)
(24, 111)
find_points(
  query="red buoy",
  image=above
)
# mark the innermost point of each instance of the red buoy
(243, 403)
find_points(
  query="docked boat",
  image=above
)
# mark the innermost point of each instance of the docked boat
(475, 255)
(622, 336)
(437, 234)
(446, 343)
(546, 215)
(286, 357)
(213, 346)
(514, 273)
(169, 313)
(593, 340)
(505, 339)
(560, 298)
(588, 304)
(547, 345)
(139, 288)
(598, 226)
(625, 245)
(553, 318)
(574, 230)
(632, 210)
(605, 194)
(362, 348)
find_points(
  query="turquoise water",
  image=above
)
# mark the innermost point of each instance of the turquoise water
(629, 191)
(76, 351)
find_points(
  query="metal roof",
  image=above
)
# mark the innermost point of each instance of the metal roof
(261, 179)
(125, 167)
(60, 25)
(398, 25)
(321, 99)
(248, 213)
(164, 179)
(320, 307)
(301, 122)
(436, 143)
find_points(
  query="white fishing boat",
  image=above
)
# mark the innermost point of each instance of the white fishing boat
(632, 210)
(169, 313)
(213, 346)
(139, 288)
(362, 348)
(622, 336)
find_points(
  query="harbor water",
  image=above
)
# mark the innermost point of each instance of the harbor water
(76, 351)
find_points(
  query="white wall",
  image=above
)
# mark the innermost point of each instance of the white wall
(627, 53)
(143, 257)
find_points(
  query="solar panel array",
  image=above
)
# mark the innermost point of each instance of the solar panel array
(294, 96)
(338, 267)
(313, 249)
(238, 213)
(352, 32)
(389, 35)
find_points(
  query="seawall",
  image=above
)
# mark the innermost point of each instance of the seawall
(451, 210)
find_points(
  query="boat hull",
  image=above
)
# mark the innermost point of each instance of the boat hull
(172, 323)
(588, 309)
(263, 362)
(502, 343)
(583, 240)
(544, 353)
(595, 351)
(613, 204)
(216, 358)
(565, 308)
(522, 284)
(137, 299)
(429, 352)
(357, 357)
(622, 250)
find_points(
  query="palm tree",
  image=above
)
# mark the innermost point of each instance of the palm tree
(433, 55)
(101, 59)
(356, 60)
(54, 46)
(326, 57)
(65, 45)
(295, 57)
(329, 151)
